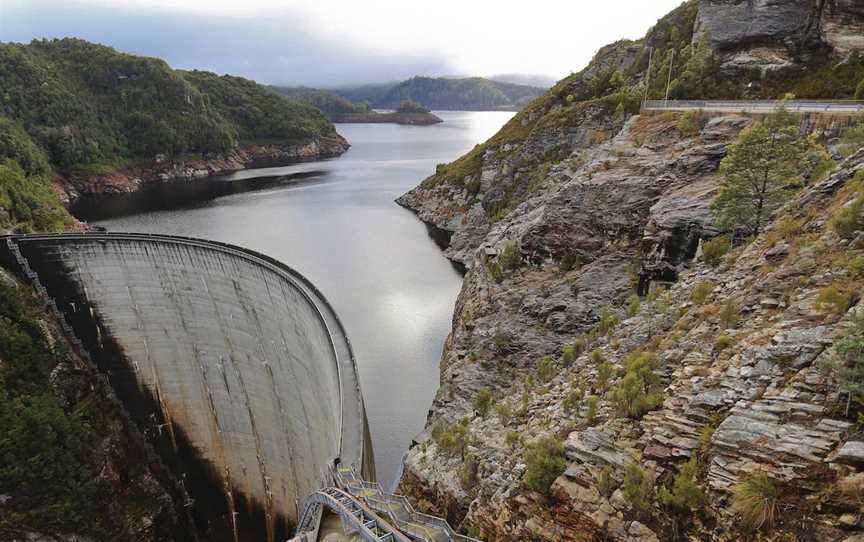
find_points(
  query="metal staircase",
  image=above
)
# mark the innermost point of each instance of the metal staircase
(355, 496)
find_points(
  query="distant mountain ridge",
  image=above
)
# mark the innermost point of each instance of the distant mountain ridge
(443, 93)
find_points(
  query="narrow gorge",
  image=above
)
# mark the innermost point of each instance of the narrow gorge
(579, 204)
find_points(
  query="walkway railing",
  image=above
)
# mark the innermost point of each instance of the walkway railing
(758, 106)
(417, 525)
(353, 514)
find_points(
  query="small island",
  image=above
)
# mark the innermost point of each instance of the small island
(408, 112)
(342, 110)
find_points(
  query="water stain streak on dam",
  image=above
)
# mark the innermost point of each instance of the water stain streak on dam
(234, 366)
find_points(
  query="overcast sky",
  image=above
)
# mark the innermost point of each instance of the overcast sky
(332, 42)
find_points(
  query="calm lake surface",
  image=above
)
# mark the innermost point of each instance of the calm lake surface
(335, 222)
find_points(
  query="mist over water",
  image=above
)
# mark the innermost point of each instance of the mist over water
(335, 222)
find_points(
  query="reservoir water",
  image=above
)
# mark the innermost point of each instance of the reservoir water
(335, 222)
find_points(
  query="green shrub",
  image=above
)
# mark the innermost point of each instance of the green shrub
(501, 340)
(494, 270)
(722, 343)
(512, 438)
(604, 373)
(573, 401)
(847, 361)
(511, 256)
(545, 462)
(850, 219)
(452, 440)
(570, 352)
(638, 391)
(684, 495)
(504, 412)
(713, 250)
(701, 292)
(856, 266)
(607, 322)
(571, 260)
(852, 140)
(468, 473)
(859, 92)
(729, 314)
(606, 485)
(636, 487)
(29, 202)
(482, 401)
(756, 499)
(545, 370)
(633, 305)
(691, 122)
(593, 402)
(834, 300)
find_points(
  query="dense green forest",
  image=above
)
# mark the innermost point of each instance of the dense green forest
(329, 103)
(473, 93)
(69, 105)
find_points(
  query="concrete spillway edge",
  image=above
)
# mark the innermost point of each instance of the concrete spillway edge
(354, 446)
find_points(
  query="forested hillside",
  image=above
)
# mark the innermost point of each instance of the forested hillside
(329, 103)
(72, 106)
(471, 94)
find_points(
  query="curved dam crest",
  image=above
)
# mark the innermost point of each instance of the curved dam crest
(233, 366)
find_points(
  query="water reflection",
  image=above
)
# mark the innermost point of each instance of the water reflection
(335, 221)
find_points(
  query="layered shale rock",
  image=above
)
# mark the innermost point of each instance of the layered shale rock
(771, 34)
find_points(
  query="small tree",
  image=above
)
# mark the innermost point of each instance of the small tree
(545, 462)
(684, 494)
(545, 370)
(636, 487)
(482, 401)
(639, 390)
(847, 363)
(852, 140)
(761, 170)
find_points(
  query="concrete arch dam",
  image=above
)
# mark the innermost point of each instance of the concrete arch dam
(232, 365)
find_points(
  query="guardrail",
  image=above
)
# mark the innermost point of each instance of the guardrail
(417, 525)
(758, 106)
(368, 525)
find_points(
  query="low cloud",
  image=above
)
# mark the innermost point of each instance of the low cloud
(274, 47)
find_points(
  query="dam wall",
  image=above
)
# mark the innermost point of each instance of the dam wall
(233, 366)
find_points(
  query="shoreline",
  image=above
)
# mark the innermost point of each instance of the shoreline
(130, 179)
(409, 119)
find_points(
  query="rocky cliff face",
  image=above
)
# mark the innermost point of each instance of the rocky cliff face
(756, 393)
(130, 179)
(564, 215)
(771, 34)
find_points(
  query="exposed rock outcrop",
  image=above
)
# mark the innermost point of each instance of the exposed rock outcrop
(772, 34)
(575, 206)
(130, 179)
(761, 401)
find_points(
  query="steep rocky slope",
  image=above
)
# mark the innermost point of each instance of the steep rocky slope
(574, 207)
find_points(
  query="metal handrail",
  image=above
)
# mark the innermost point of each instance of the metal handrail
(844, 106)
(370, 527)
(356, 486)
